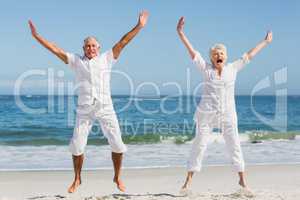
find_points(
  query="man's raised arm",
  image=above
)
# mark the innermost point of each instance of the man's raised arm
(143, 17)
(50, 46)
(184, 39)
(261, 45)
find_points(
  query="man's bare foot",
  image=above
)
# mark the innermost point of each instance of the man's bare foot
(185, 188)
(187, 183)
(74, 186)
(120, 184)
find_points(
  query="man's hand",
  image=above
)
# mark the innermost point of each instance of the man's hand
(32, 28)
(143, 18)
(269, 37)
(180, 25)
(50, 46)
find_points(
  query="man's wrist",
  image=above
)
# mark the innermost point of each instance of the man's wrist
(36, 36)
(139, 26)
(180, 32)
(266, 42)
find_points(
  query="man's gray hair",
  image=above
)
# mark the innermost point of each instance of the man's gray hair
(91, 38)
(218, 46)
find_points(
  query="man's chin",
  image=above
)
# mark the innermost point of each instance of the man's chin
(91, 56)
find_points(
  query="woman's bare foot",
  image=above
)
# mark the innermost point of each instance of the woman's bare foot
(74, 186)
(119, 184)
(242, 183)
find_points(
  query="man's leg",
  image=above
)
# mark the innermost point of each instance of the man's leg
(188, 180)
(111, 130)
(117, 162)
(197, 153)
(77, 165)
(232, 141)
(77, 146)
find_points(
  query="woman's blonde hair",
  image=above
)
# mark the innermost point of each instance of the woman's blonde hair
(217, 46)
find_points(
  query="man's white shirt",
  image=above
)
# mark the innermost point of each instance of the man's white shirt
(92, 77)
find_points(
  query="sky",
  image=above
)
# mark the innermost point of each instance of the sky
(155, 62)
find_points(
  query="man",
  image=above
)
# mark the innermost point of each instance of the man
(217, 106)
(92, 73)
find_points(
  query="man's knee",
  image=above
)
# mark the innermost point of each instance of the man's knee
(76, 148)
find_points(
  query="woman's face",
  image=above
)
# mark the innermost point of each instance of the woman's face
(218, 58)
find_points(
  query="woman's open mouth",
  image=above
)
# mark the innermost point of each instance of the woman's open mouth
(219, 61)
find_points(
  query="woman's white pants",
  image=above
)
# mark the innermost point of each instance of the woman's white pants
(230, 133)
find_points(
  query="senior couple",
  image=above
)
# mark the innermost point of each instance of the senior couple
(215, 110)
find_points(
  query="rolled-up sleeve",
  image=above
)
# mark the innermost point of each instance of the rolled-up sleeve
(241, 62)
(199, 61)
(109, 57)
(71, 60)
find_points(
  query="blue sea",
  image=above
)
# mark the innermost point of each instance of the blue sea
(35, 131)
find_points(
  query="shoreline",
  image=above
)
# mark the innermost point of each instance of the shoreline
(142, 168)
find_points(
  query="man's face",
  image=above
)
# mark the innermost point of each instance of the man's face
(91, 48)
(218, 58)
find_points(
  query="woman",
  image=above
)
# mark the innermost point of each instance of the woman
(217, 106)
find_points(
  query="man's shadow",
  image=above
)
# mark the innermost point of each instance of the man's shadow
(129, 196)
(112, 196)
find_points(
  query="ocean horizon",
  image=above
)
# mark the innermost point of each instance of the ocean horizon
(35, 132)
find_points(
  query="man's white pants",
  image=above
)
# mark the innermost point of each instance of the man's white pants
(230, 133)
(85, 117)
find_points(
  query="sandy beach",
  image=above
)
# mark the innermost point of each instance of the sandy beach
(267, 182)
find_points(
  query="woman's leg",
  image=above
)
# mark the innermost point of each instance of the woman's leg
(231, 137)
(198, 149)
